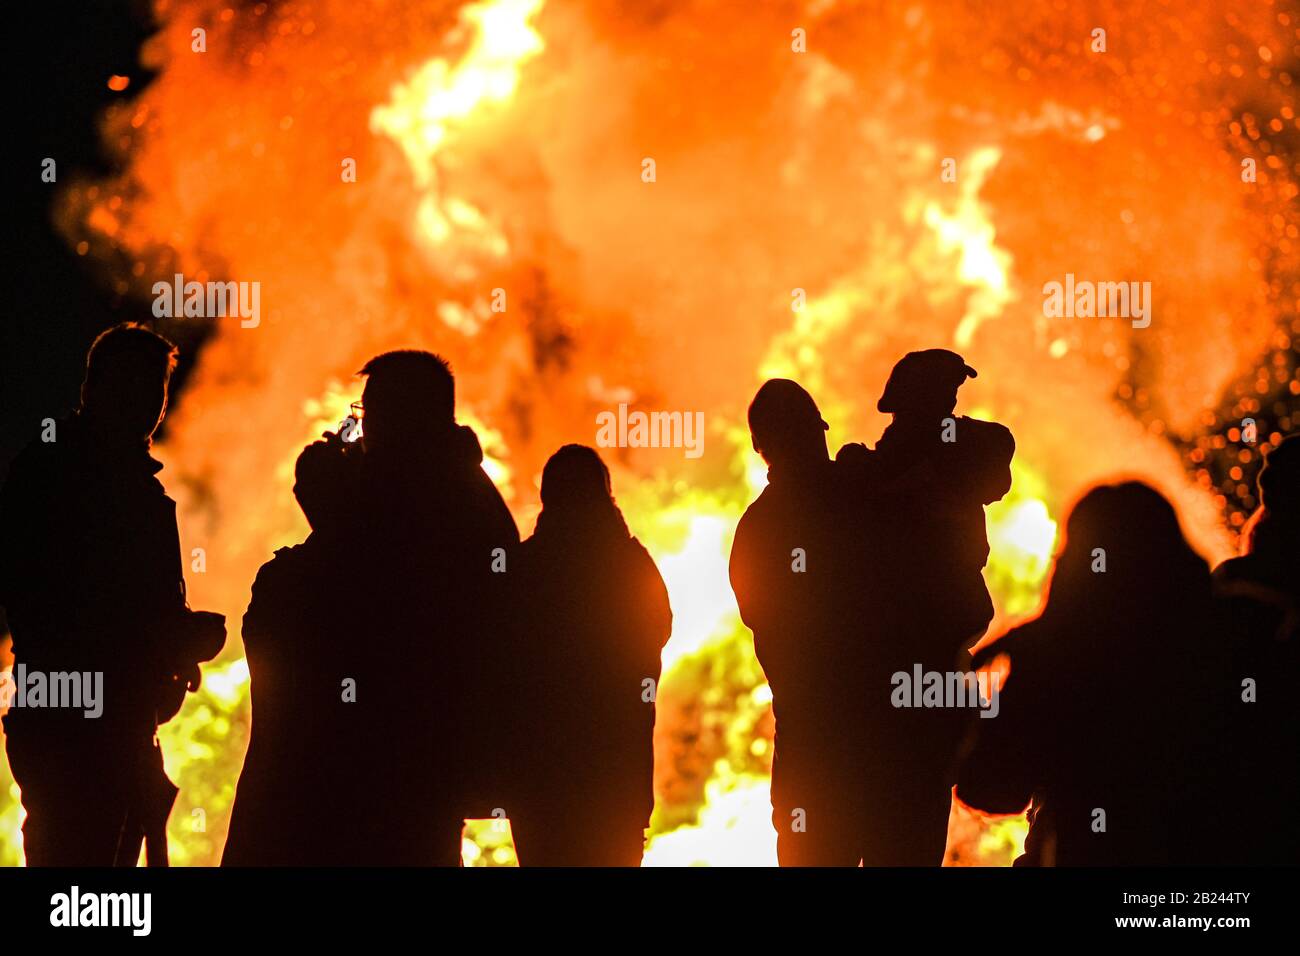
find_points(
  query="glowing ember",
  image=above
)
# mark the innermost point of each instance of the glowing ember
(798, 225)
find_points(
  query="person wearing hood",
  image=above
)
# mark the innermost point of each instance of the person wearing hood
(1112, 718)
(590, 622)
(431, 537)
(941, 471)
(90, 575)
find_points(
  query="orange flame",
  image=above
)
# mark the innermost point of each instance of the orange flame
(798, 225)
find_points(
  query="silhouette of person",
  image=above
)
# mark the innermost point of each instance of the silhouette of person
(296, 785)
(1111, 718)
(1269, 569)
(938, 472)
(792, 567)
(591, 620)
(90, 571)
(429, 644)
(948, 469)
(1262, 591)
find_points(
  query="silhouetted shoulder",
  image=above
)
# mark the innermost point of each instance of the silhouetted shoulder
(30, 472)
(759, 510)
(1236, 575)
(469, 451)
(466, 445)
(272, 587)
(282, 563)
(746, 568)
(528, 551)
(35, 456)
(642, 556)
(753, 525)
(30, 475)
(40, 463)
(654, 592)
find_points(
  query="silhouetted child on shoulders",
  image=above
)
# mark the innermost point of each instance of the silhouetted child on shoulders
(924, 489)
(936, 472)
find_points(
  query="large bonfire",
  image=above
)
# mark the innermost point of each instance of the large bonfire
(662, 204)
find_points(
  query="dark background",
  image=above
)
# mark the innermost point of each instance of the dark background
(60, 55)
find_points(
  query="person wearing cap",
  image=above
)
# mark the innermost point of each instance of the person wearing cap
(792, 570)
(931, 474)
(951, 468)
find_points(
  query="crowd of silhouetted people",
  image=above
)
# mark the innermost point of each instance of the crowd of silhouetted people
(415, 664)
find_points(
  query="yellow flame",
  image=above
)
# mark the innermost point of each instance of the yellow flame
(968, 231)
(698, 585)
(734, 828)
(1022, 536)
(423, 112)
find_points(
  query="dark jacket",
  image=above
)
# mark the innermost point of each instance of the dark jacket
(1113, 707)
(90, 574)
(806, 633)
(590, 623)
(427, 645)
(939, 490)
(1261, 591)
(296, 784)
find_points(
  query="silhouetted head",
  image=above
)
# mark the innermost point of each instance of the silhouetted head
(128, 370)
(1279, 479)
(924, 384)
(574, 478)
(409, 399)
(576, 491)
(324, 484)
(786, 425)
(1125, 551)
